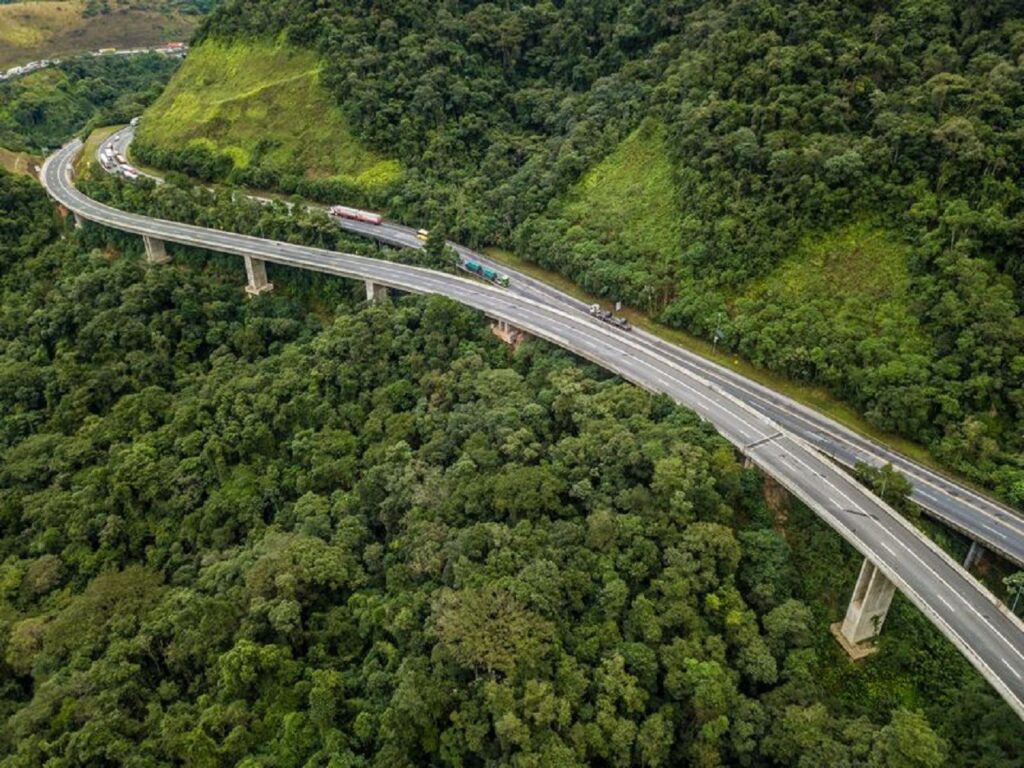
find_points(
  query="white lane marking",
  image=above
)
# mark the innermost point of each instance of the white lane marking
(1007, 665)
(1000, 534)
(945, 602)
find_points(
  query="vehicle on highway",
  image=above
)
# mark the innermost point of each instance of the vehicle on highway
(129, 173)
(121, 159)
(608, 317)
(486, 272)
(355, 214)
(134, 121)
(422, 234)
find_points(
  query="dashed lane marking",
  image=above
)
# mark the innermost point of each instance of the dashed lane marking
(1007, 665)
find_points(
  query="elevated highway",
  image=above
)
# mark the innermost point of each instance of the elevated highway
(991, 524)
(896, 553)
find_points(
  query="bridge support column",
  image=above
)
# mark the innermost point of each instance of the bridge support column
(866, 612)
(375, 291)
(156, 252)
(256, 271)
(79, 221)
(507, 332)
(974, 555)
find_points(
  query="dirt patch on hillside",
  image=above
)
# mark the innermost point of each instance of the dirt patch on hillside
(19, 162)
(39, 30)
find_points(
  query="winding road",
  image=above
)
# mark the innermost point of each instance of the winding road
(982, 628)
(994, 525)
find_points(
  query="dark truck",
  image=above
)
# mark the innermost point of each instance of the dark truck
(607, 317)
(485, 272)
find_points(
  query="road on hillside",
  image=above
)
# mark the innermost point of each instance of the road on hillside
(982, 519)
(961, 608)
(995, 525)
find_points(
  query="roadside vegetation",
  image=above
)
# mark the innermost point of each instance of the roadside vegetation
(627, 204)
(303, 529)
(44, 109)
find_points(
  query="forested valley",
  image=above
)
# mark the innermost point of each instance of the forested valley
(305, 530)
(44, 109)
(759, 128)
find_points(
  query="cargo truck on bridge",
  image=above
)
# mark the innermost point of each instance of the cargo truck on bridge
(485, 272)
(607, 317)
(355, 214)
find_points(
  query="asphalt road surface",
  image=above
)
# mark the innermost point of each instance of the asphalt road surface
(964, 611)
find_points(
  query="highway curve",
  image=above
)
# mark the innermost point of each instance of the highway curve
(963, 610)
(996, 526)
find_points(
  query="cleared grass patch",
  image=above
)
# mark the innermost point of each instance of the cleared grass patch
(85, 161)
(630, 197)
(858, 264)
(19, 162)
(262, 102)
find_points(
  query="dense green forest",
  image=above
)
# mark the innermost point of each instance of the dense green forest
(769, 127)
(303, 530)
(44, 109)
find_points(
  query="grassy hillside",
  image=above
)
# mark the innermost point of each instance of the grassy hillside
(629, 199)
(844, 294)
(47, 28)
(261, 104)
(18, 162)
(856, 278)
(757, 133)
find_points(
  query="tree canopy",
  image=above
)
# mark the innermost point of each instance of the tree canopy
(306, 530)
(765, 125)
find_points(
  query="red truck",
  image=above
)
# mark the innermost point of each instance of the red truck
(344, 212)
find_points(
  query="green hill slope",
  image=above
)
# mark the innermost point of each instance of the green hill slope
(843, 301)
(626, 205)
(262, 106)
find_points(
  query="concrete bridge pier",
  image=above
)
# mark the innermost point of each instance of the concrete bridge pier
(974, 555)
(376, 292)
(868, 607)
(256, 272)
(507, 332)
(79, 221)
(156, 251)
